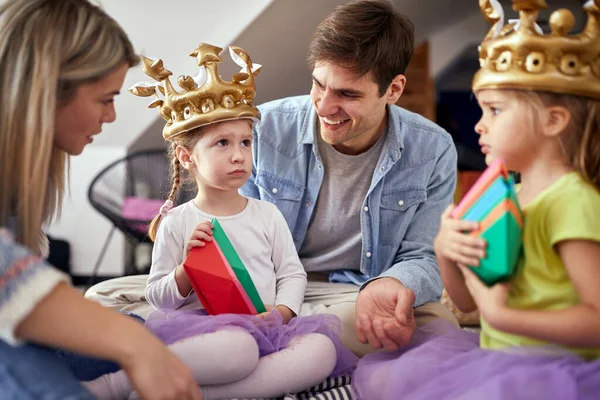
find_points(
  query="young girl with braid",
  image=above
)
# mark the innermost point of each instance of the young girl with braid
(232, 356)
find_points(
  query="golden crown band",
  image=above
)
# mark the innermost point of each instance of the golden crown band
(521, 57)
(206, 98)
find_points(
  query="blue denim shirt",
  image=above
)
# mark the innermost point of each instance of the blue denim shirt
(413, 183)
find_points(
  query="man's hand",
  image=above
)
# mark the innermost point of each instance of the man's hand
(384, 314)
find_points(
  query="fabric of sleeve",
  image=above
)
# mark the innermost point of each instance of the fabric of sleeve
(415, 264)
(289, 272)
(25, 280)
(161, 290)
(574, 215)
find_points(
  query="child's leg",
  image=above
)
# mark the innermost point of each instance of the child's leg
(215, 358)
(306, 362)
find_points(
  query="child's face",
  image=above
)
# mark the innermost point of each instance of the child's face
(505, 128)
(223, 155)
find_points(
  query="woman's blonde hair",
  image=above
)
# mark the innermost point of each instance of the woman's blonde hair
(48, 48)
(581, 139)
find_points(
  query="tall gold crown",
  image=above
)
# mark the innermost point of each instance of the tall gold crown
(206, 98)
(520, 56)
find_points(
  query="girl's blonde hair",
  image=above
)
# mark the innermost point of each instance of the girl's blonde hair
(581, 140)
(48, 48)
(179, 175)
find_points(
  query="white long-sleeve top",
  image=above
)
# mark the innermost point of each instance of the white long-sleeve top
(259, 235)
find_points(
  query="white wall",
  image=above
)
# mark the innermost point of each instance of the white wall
(170, 31)
(81, 225)
(445, 44)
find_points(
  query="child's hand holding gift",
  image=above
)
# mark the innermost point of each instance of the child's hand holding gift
(453, 242)
(201, 234)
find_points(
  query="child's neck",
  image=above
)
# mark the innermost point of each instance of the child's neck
(539, 175)
(220, 203)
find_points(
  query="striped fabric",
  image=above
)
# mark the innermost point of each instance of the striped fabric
(330, 389)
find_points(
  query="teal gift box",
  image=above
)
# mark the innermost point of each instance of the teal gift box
(492, 201)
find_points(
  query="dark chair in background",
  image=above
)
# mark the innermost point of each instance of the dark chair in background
(129, 193)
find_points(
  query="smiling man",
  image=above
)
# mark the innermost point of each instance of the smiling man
(361, 182)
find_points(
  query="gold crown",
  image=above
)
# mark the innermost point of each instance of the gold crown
(520, 56)
(206, 98)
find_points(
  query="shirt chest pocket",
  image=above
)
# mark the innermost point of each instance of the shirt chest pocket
(398, 208)
(285, 194)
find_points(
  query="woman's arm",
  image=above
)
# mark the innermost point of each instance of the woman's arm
(37, 305)
(65, 319)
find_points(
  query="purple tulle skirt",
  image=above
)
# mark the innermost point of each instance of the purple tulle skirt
(444, 362)
(270, 333)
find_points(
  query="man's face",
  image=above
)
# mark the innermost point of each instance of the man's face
(352, 114)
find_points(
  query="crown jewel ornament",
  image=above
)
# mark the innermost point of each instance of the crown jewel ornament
(520, 56)
(205, 98)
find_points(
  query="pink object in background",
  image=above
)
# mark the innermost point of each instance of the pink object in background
(141, 209)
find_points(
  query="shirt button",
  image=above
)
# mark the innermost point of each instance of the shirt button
(401, 203)
(319, 166)
(274, 190)
(366, 208)
(308, 204)
(368, 254)
(382, 169)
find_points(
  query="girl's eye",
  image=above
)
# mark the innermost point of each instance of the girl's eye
(222, 142)
(495, 111)
(247, 143)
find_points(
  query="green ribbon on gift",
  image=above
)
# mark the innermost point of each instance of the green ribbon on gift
(237, 265)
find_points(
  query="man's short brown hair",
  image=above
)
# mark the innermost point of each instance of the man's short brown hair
(364, 36)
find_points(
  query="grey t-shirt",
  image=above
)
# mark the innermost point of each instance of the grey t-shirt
(333, 239)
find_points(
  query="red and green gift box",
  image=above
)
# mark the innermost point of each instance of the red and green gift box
(220, 279)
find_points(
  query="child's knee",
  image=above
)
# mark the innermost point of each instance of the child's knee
(320, 353)
(241, 356)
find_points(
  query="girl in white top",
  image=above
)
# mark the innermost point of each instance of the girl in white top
(232, 356)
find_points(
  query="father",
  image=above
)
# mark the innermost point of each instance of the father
(361, 182)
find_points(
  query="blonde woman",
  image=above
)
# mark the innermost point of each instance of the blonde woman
(63, 62)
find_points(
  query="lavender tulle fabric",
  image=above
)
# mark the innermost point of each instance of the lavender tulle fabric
(270, 333)
(444, 362)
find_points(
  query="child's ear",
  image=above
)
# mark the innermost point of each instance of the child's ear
(184, 156)
(557, 119)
